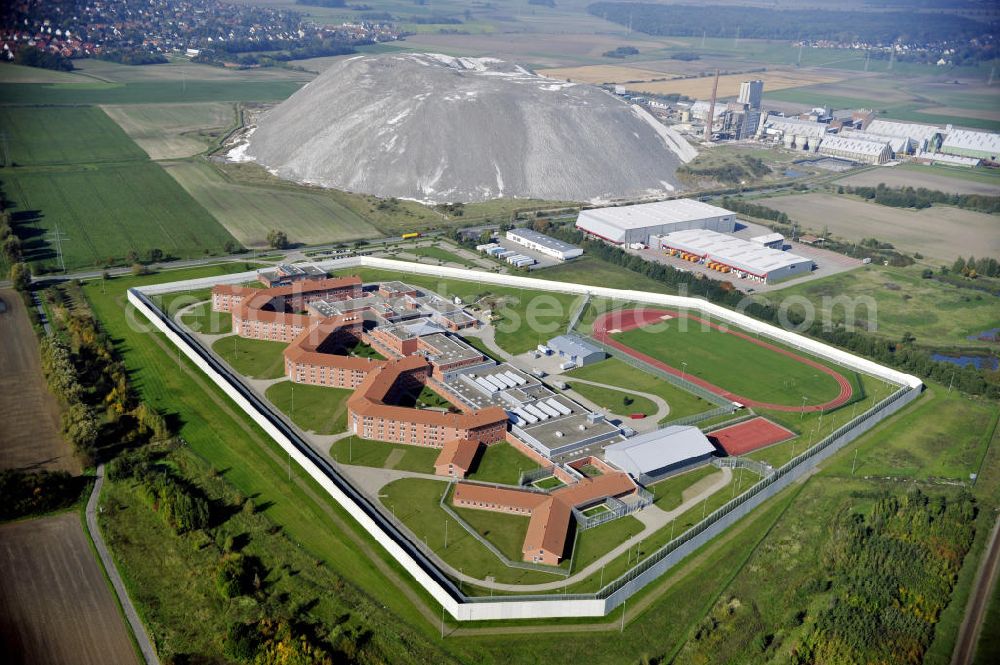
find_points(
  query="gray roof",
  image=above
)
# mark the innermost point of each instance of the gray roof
(571, 345)
(542, 239)
(652, 451)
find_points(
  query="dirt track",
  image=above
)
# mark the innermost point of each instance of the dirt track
(29, 428)
(55, 606)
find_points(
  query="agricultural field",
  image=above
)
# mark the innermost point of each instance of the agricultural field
(941, 232)
(598, 74)
(30, 429)
(172, 131)
(249, 211)
(953, 181)
(107, 212)
(733, 363)
(146, 92)
(55, 136)
(701, 88)
(11, 73)
(56, 605)
(938, 314)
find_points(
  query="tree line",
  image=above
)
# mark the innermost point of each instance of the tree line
(921, 197)
(902, 354)
(24, 492)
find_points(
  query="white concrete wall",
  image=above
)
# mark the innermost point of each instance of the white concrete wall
(480, 609)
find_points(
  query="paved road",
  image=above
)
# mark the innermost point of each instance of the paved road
(139, 630)
(975, 610)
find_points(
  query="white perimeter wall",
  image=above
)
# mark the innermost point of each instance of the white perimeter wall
(481, 610)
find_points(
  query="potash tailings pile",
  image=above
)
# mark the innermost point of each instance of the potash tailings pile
(440, 129)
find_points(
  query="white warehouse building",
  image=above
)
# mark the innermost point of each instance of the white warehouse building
(544, 244)
(728, 254)
(636, 223)
(653, 455)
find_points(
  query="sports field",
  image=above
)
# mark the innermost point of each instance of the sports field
(55, 604)
(748, 436)
(730, 363)
(106, 212)
(170, 131)
(250, 211)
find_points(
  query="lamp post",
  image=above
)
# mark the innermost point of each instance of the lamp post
(684, 366)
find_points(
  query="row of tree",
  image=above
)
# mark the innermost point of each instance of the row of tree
(182, 506)
(921, 197)
(902, 354)
(24, 493)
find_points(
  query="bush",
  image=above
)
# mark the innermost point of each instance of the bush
(24, 493)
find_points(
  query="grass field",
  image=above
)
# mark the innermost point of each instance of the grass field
(617, 373)
(591, 270)
(941, 232)
(171, 131)
(30, 430)
(504, 531)
(416, 503)
(947, 441)
(614, 400)
(57, 605)
(248, 212)
(204, 320)
(107, 212)
(669, 493)
(502, 463)
(50, 136)
(318, 409)
(256, 358)
(146, 92)
(362, 452)
(435, 252)
(595, 542)
(936, 313)
(733, 363)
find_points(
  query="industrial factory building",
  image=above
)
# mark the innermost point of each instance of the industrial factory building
(728, 254)
(978, 145)
(636, 223)
(856, 150)
(544, 244)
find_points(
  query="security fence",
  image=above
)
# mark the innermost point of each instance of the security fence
(615, 509)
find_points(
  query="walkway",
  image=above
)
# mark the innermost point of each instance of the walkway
(138, 630)
(975, 610)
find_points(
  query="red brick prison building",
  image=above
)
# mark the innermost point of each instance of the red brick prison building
(550, 513)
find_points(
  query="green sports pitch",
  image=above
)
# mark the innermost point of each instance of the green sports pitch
(732, 363)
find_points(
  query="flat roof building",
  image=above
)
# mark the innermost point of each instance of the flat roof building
(772, 240)
(544, 244)
(660, 453)
(576, 349)
(966, 143)
(636, 223)
(725, 253)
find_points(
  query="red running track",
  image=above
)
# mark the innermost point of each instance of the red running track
(623, 320)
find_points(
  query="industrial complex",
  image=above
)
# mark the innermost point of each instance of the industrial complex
(745, 259)
(628, 224)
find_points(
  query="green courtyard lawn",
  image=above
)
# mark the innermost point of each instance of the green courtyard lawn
(597, 541)
(256, 358)
(202, 319)
(501, 463)
(504, 531)
(732, 363)
(617, 373)
(669, 493)
(362, 350)
(318, 409)
(416, 503)
(615, 400)
(384, 455)
(548, 483)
